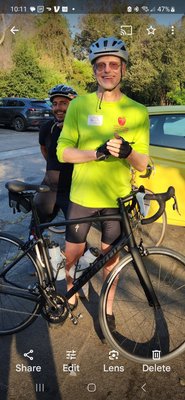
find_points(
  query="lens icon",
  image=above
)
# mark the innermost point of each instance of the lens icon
(91, 387)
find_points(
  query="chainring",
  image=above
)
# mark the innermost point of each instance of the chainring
(56, 314)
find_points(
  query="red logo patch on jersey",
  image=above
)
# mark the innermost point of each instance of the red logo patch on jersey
(121, 121)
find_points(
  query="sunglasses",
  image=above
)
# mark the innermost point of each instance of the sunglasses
(100, 66)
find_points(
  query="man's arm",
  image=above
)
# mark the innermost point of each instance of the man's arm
(44, 151)
(76, 156)
(138, 161)
(43, 132)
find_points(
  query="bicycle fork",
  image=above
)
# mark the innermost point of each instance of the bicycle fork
(137, 259)
(144, 278)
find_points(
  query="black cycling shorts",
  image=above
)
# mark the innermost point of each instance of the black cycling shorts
(78, 233)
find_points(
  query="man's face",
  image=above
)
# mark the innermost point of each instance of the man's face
(59, 107)
(108, 71)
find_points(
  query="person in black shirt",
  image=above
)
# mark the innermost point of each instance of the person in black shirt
(58, 175)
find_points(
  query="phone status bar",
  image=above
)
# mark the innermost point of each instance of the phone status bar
(97, 6)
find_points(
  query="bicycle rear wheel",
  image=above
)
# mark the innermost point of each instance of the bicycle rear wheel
(151, 234)
(19, 279)
(140, 328)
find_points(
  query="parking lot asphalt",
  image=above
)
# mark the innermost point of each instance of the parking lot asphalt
(87, 376)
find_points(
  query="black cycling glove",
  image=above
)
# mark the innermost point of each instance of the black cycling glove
(125, 149)
(102, 153)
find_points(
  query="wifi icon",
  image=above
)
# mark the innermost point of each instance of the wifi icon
(32, 8)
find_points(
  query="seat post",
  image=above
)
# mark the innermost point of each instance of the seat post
(35, 216)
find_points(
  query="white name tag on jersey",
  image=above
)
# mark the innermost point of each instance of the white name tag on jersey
(95, 120)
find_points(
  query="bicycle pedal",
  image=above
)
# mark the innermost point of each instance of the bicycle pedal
(74, 318)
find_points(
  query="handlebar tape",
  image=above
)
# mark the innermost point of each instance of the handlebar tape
(161, 198)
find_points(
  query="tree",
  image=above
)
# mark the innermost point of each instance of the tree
(26, 78)
(92, 27)
(53, 41)
(32, 67)
(152, 69)
(81, 77)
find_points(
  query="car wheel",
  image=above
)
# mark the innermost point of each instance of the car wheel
(19, 124)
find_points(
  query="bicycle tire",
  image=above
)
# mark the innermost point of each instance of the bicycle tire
(151, 234)
(19, 304)
(140, 328)
(57, 229)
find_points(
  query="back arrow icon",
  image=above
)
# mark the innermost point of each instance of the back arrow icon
(13, 30)
(143, 387)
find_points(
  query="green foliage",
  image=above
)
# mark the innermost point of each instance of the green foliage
(41, 56)
(26, 79)
(53, 41)
(81, 76)
(92, 27)
(3, 84)
(52, 78)
(176, 97)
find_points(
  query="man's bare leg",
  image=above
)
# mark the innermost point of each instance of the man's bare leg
(107, 269)
(73, 251)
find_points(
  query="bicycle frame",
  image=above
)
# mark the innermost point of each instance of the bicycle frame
(126, 238)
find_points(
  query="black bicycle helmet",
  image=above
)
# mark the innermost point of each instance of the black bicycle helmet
(108, 46)
(62, 90)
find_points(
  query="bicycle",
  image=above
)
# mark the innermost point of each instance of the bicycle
(148, 306)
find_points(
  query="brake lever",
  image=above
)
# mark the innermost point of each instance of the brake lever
(175, 205)
(148, 173)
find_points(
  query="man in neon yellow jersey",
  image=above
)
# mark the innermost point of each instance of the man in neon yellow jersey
(103, 135)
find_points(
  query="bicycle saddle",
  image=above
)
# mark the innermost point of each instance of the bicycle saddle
(19, 186)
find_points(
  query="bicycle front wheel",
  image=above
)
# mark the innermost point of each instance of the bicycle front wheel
(142, 331)
(19, 279)
(151, 234)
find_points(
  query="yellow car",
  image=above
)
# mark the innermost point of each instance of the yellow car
(167, 151)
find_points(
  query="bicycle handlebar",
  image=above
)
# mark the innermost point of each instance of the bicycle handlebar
(161, 198)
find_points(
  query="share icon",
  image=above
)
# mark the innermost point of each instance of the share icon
(27, 354)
